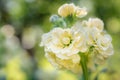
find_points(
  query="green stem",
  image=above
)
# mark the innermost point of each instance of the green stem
(84, 65)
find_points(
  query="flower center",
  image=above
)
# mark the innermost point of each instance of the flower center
(66, 40)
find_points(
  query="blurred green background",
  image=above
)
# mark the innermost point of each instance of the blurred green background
(22, 22)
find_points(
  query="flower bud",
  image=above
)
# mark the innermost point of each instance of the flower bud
(80, 12)
(54, 18)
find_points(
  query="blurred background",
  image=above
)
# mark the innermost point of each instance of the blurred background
(22, 22)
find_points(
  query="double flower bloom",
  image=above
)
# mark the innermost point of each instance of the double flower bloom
(63, 46)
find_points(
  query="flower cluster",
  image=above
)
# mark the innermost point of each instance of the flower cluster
(64, 46)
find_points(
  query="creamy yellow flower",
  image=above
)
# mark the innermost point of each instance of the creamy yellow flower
(80, 12)
(94, 23)
(104, 47)
(68, 64)
(92, 33)
(64, 42)
(66, 9)
(64, 46)
(70, 9)
(80, 37)
(99, 39)
(103, 41)
(93, 28)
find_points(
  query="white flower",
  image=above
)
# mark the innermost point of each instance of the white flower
(103, 41)
(99, 39)
(70, 9)
(80, 37)
(64, 64)
(80, 12)
(64, 42)
(66, 9)
(63, 45)
(92, 33)
(93, 28)
(104, 47)
(94, 23)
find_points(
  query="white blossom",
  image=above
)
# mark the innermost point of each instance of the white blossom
(66, 9)
(94, 23)
(63, 46)
(70, 9)
(80, 12)
(68, 64)
(104, 46)
(64, 42)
